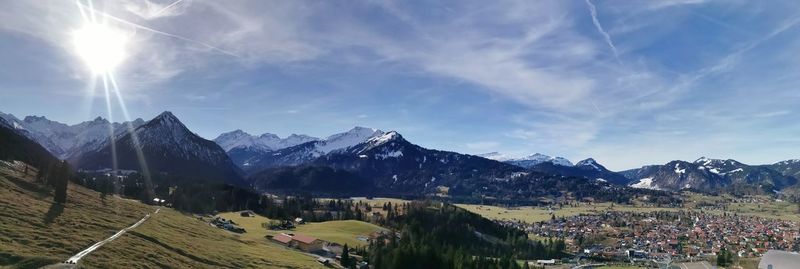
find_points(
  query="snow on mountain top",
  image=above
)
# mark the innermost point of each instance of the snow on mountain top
(793, 161)
(703, 160)
(545, 158)
(379, 140)
(348, 139)
(265, 141)
(497, 156)
(591, 163)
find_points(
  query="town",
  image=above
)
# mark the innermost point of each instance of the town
(658, 235)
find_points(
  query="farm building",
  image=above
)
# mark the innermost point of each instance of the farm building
(307, 243)
(284, 239)
(301, 242)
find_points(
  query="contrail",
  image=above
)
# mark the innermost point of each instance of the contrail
(106, 15)
(593, 12)
(165, 9)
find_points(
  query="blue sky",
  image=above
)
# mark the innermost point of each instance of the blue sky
(626, 82)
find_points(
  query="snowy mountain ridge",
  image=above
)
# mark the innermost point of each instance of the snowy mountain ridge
(263, 142)
(538, 158)
(66, 141)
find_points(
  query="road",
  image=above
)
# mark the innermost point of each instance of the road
(75, 259)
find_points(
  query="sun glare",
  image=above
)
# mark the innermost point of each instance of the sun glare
(101, 47)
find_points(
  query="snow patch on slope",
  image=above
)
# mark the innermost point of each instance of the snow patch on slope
(645, 183)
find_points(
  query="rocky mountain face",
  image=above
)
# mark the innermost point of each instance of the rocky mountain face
(244, 148)
(169, 149)
(710, 175)
(303, 153)
(68, 141)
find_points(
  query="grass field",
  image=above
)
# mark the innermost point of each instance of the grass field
(36, 232)
(340, 231)
(767, 208)
(536, 214)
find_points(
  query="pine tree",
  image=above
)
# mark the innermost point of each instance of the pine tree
(345, 256)
(60, 179)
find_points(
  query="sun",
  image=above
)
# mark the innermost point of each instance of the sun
(101, 47)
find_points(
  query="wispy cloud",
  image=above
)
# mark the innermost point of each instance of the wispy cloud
(534, 75)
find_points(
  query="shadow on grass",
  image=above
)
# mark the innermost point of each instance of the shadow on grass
(15, 261)
(55, 210)
(39, 190)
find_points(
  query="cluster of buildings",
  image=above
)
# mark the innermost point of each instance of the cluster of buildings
(682, 234)
(226, 224)
(325, 251)
(302, 242)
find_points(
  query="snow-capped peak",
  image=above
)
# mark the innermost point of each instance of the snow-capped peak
(265, 141)
(538, 158)
(68, 140)
(703, 160)
(382, 139)
(348, 139)
(541, 158)
(494, 155)
(591, 163)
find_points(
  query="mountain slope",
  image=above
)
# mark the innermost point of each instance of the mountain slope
(244, 148)
(396, 165)
(588, 168)
(538, 158)
(315, 179)
(266, 141)
(789, 168)
(168, 148)
(713, 175)
(67, 141)
(307, 152)
(15, 146)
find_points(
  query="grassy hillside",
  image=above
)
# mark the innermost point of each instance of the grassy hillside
(340, 231)
(35, 232)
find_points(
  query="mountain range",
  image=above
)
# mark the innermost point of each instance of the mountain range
(359, 157)
(713, 175)
(167, 147)
(67, 141)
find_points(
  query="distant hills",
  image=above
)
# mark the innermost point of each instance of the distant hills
(384, 161)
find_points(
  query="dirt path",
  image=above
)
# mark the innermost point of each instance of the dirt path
(75, 259)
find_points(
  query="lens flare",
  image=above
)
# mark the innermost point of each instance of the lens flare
(101, 47)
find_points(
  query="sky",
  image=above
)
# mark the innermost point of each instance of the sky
(628, 83)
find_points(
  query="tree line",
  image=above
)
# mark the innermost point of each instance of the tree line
(439, 235)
